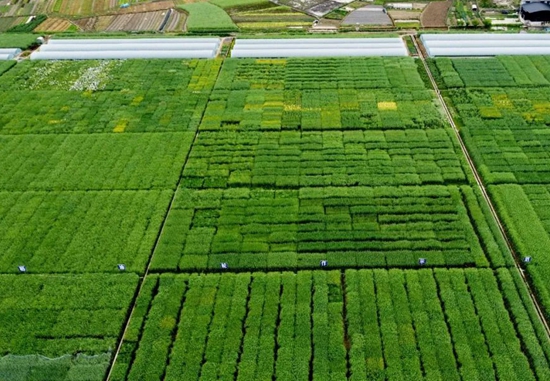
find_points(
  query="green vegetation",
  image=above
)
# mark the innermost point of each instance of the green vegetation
(225, 4)
(28, 27)
(105, 96)
(525, 213)
(19, 40)
(354, 226)
(208, 18)
(79, 231)
(400, 325)
(271, 166)
(502, 106)
(71, 320)
(92, 162)
(275, 94)
(58, 314)
(323, 158)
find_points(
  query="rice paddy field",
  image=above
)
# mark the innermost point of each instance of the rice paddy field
(288, 219)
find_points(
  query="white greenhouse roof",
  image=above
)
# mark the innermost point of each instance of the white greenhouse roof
(187, 40)
(464, 45)
(8, 53)
(319, 47)
(89, 49)
(121, 54)
(132, 46)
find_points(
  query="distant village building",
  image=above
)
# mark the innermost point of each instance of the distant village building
(535, 13)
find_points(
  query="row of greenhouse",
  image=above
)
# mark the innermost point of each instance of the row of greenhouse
(436, 45)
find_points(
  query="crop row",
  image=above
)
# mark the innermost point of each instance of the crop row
(320, 109)
(92, 161)
(354, 226)
(330, 158)
(79, 231)
(503, 71)
(322, 73)
(357, 325)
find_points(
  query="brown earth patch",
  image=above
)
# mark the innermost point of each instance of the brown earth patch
(435, 14)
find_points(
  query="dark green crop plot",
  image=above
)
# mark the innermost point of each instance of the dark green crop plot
(357, 325)
(67, 319)
(6, 65)
(330, 158)
(92, 161)
(78, 231)
(357, 226)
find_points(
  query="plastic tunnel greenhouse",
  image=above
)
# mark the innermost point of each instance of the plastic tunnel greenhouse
(464, 45)
(319, 47)
(9, 53)
(87, 49)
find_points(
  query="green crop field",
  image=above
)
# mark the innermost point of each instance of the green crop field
(502, 105)
(398, 325)
(71, 320)
(208, 18)
(223, 185)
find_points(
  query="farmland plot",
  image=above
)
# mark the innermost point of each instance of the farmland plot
(54, 25)
(92, 161)
(354, 226)
(77, 231)
(398, 325)
(326, 94)
(524, 210)
(74, 321)
(105, 96)
(329, 158)
(288, 199)
(502, 104)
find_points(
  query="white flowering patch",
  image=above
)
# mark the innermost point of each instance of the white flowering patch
(75, 76)
(95, 77)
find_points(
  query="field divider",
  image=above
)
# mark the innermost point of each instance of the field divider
(155, 246)
(481, 186)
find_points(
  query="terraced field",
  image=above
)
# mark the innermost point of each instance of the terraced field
(285, 219)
